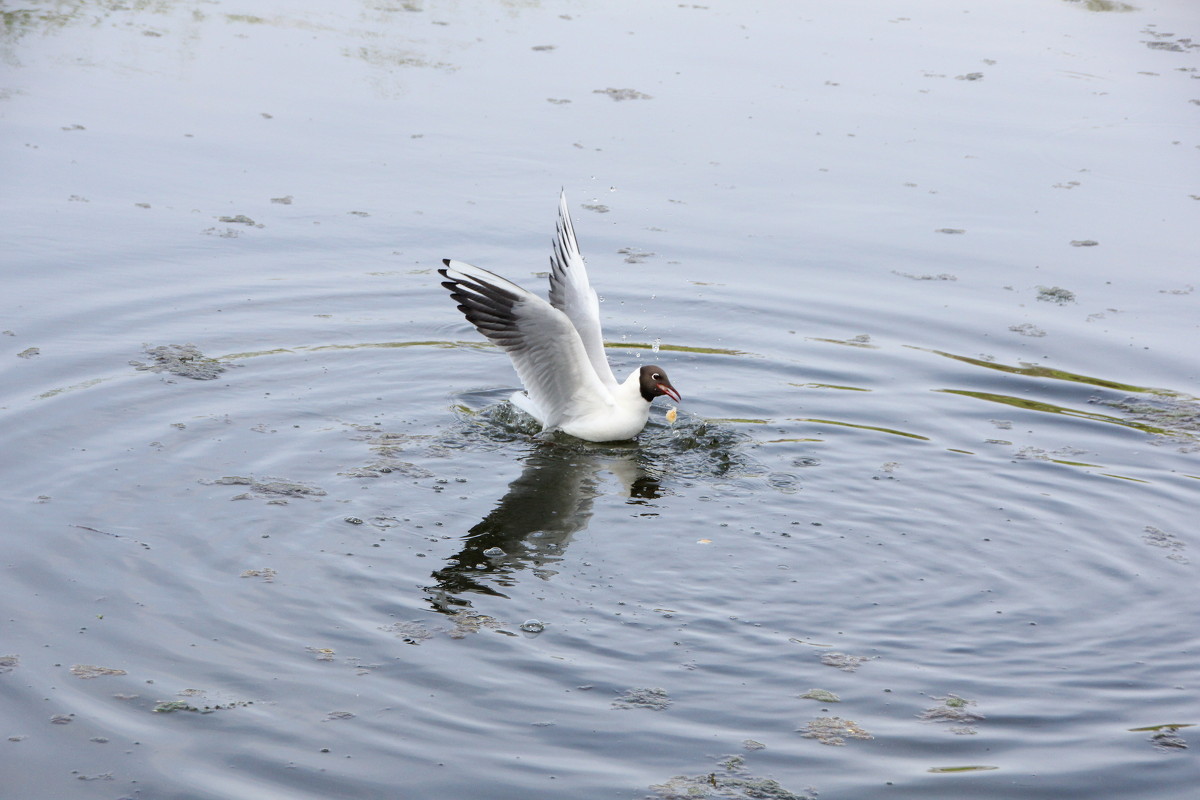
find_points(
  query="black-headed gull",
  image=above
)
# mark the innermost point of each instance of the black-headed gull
(556, 347)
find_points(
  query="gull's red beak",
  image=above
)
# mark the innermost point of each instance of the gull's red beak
(669, 391)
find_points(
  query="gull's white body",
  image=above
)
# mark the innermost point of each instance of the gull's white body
(556, 347)
(621, 415)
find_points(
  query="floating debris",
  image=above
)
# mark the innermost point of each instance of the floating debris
(1166, 737)
(9, 663)
(338, 715)
(174, 705)
(402, 469)
(171, 706)
(387, 446)
(732, 781)
(844, 662)
(183, 360)
(652, 699)
(410, 632)
(833, 731)
(228, 233)
(942, 276)
(622, 94)
(1055, 294)
(970, 76)
(1104, 5)
(322, 653)
(1173, 420)
(1173, 47)
(1084, 243)
(86, 671)
(241, 219)
(1160, 538)
(466, 622)
(285, 201)
(809, 642)
(29, 352)
(950, 230)
(1027, 329)
(953, 709)
(266, 573)
(1168, 740)
(861, 340)
(821, 696)
(267, 487)
(970, 768)
(101, 776)
(634, 256)
(752, 745)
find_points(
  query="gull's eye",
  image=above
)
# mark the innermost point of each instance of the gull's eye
(656, 376)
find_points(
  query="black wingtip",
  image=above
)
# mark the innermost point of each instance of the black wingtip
(446, 261)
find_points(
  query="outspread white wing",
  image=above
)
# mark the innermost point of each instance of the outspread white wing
(542, 342)
(572, 294)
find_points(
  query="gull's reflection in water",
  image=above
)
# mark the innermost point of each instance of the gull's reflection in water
(531, 526)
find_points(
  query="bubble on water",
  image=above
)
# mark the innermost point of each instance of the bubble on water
(533, 626)
(494, 552)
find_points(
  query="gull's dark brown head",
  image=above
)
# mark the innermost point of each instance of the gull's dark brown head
(654, 382)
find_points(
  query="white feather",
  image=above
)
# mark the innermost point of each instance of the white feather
(572, 293)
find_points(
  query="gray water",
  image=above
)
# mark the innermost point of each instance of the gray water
(924, 273)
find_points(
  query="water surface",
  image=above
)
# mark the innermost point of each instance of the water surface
(924, 274)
